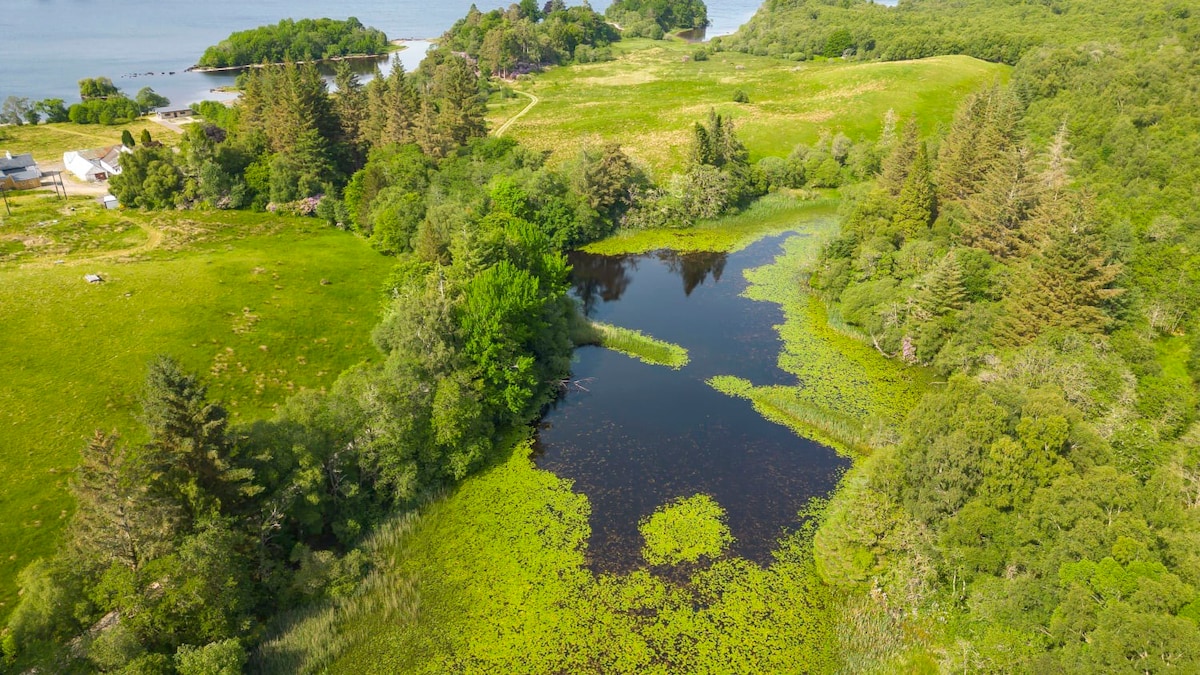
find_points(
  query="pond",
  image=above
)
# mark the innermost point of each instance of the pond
(634, 436)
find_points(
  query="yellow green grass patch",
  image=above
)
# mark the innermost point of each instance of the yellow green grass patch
(632, 343)
(649, 97)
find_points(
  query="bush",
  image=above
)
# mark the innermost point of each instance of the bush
(740, 96)
(217, 658)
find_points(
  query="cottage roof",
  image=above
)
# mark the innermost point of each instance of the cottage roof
(10, 163)
(108, 154)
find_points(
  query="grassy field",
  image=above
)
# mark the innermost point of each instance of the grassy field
(260, 305)
(48, 142)
(650, 96)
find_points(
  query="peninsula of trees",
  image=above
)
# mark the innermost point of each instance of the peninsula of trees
(295, 41)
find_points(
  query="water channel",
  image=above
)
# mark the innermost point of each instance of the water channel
(633, 436)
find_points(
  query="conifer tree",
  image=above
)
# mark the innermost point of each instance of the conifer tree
(984, 129)
(118, 519)
(377, 109)
(455, 87)
(401, 107)
(702, 146)
(944, 291)
(916, 207)
(999, 211)
(1068, 283)
(350, 110)
(900, 159)
(190, 454)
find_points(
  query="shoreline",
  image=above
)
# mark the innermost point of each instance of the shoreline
(334, 59)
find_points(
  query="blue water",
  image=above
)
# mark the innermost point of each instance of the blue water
(47, 46)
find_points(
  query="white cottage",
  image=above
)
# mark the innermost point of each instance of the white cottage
(94, 165)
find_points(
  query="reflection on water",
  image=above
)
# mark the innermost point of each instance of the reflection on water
(604, 278)
(641, 436)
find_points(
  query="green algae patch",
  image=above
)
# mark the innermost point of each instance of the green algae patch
(493, 578)
(685, 530)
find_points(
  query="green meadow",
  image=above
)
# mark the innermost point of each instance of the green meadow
(262, 306)
(48, 142)
(649, 97)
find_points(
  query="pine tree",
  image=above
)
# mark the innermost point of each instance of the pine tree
(190, 453)
(984, 129)
(401, 107)
(1068, 283)
(350, 109)
(900, 159)
(943, 291)
(916, 207)
(118, 519)
(461, 109)
(377, 110)
(702, 146)
(1003, 205)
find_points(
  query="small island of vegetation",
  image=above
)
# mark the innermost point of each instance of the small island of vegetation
(289, 40)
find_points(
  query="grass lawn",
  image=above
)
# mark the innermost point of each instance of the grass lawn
(651, 95)
(260, 305)
(48, 142)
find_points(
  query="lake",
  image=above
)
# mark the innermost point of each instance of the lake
(633, 436)
(47, 46)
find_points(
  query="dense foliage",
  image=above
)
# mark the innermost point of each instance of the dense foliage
(525, 38)
(654, 18)
(992, 31)
(296, 41)
(1035, 513)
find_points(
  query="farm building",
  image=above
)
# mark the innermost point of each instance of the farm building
(94, 165)
(19, 172)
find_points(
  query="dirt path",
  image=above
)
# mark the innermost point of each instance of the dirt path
(533, 101)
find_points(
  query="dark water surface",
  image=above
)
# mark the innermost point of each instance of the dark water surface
(643, 435)
(47, 46)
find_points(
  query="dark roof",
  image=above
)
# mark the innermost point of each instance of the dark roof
(10, 163)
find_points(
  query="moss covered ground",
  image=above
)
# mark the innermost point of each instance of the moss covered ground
(262, 306)
(648, 98)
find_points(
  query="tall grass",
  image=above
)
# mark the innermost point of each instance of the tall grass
(311, 639)
(782, 406)
(631, 343)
